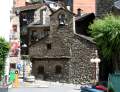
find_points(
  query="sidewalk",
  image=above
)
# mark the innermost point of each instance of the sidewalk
(46, 84)
(37, 84)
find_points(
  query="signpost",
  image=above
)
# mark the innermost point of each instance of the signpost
(16, 81)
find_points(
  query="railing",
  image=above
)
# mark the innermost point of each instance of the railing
(114, 82)
(4, 84)
(3, 89)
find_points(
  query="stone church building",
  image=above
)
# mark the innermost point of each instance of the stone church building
(57, 53)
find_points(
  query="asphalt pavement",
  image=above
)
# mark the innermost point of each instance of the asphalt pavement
(50, 89)
(45, 86)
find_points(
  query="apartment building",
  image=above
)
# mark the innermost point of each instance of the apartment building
(19, 3)
(87, 6)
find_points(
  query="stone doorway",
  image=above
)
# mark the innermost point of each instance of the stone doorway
(58, 69)
(40, 72)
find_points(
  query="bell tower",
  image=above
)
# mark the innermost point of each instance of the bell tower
(61, 2)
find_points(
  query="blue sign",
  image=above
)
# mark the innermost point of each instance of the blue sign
(19, 66)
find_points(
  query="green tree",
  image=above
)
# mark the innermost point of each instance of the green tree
(106, 34)
(4, 48)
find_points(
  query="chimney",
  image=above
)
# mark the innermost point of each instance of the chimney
(79, 12)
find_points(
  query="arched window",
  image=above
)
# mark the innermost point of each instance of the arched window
(62, 19)
(58, 69)
(40, 70)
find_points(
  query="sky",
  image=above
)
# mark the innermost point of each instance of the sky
(5, 7)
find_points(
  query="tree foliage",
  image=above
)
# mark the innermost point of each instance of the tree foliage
(106, 34)
(4, 48)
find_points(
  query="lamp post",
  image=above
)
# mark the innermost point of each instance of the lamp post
(96, 60)
(24, 46)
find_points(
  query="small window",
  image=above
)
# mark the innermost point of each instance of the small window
(17, 12)
(58, 69)
(14, 28)
(62, 20)
(12, 65)
(40, 70)
(41, 16)
(48, 46)
(33, 35)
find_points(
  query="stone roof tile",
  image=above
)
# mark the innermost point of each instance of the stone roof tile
(117, 4)
(29, 7)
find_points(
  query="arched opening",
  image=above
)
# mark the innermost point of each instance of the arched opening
(62, 20)
(58, 69)
(40, 70)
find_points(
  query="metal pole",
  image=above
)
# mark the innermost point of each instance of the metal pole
(24, 64)
(24, 52)
(23, 70)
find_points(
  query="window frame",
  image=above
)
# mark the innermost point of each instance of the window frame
(58, 69)
(49, 46)
(62, 19)
(42, 71)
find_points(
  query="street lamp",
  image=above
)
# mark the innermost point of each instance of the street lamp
(24, 46)
(96, 60)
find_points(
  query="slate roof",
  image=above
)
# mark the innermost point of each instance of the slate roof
(62, 9)
(88, 39)
(82, 17)
(117, 4)
(29, 7)
(37, 24)
(83, 22)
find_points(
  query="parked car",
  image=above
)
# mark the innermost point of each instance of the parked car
(85, 89)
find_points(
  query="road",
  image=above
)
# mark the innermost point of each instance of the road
(44, 86)
(44, 89)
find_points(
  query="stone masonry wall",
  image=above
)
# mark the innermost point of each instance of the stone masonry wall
(80, 67)
(82, 70)
(103, 7)
(49, 66)
(81, 51)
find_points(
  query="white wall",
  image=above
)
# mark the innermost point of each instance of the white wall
(5, 7)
